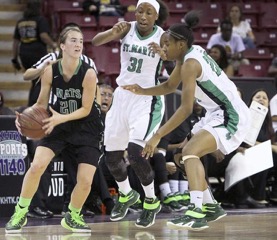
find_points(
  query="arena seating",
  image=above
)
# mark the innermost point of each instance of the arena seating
(252, 70)
(261, 15)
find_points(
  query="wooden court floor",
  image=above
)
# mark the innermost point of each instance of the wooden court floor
(237, 225)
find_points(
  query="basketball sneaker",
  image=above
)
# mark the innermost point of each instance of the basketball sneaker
(17, 221)
(137, 207)
(151, 207)
(75, 222)
(183, 199)
(194, 219)
(120, 209)
(171, 201)
(213, 211)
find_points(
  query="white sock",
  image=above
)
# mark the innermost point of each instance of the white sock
(149, 190)
(183, 186)
(124, 186)
(165, 189)
(208, 196)
(174, 186)
(196, 197)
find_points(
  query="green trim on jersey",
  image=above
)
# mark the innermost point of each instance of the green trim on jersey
(61, 68)
(231, 117)
(155, 29)
(189, 50)
(156, 114)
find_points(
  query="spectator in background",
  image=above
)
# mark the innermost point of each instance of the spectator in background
(3, 109)
(31, 37)
(231, 41)
(250, 192)
(272, 72)
(257, 187)
(242, 27)
(218, 53)
(106, 92)
(103, 8)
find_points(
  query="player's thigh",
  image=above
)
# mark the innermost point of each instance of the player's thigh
(43, 157)
(202, 143)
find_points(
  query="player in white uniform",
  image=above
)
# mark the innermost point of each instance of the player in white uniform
(133, 119)
(223, 128)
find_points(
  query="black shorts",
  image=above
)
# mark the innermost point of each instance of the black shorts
(82, 153)
(85, 146)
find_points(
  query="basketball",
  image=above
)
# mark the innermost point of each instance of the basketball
(31, 123)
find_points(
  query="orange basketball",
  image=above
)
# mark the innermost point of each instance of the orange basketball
(31, 123)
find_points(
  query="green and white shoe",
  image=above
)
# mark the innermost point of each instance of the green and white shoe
(120, 209)
(183, 199)
(147, 218)
(213, 211)
(75, 222)
(17, 221)
(172, 202)
(137, 207)
(194, 219)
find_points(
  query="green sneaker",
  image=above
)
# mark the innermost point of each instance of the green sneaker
(17, 221)
(137, 207)
(171, 201)
(194, 219)
(213, 211)
(151, 207)
(183, 199)
(120, 209)
(75, 222)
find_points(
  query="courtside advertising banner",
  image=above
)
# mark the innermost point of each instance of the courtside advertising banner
(13, 164)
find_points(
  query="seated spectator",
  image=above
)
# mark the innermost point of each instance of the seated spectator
(103, 8)
(273, 110)
(3, 109)
(250, 192)
(242, 27)
(170, 197)
(272, 70)
(218, 53)
(231, 41)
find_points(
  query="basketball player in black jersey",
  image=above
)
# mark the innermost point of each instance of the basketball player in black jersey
(75, 123)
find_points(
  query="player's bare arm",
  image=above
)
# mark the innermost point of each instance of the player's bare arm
(118, 31)
(46, 83)
(166, 87)
(188, 74)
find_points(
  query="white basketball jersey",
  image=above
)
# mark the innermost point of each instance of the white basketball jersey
(214, 88)
(139, 64)
(215, 91)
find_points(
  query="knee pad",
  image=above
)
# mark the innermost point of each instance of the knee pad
(116, 165)
(184, 158)
(140, 165)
